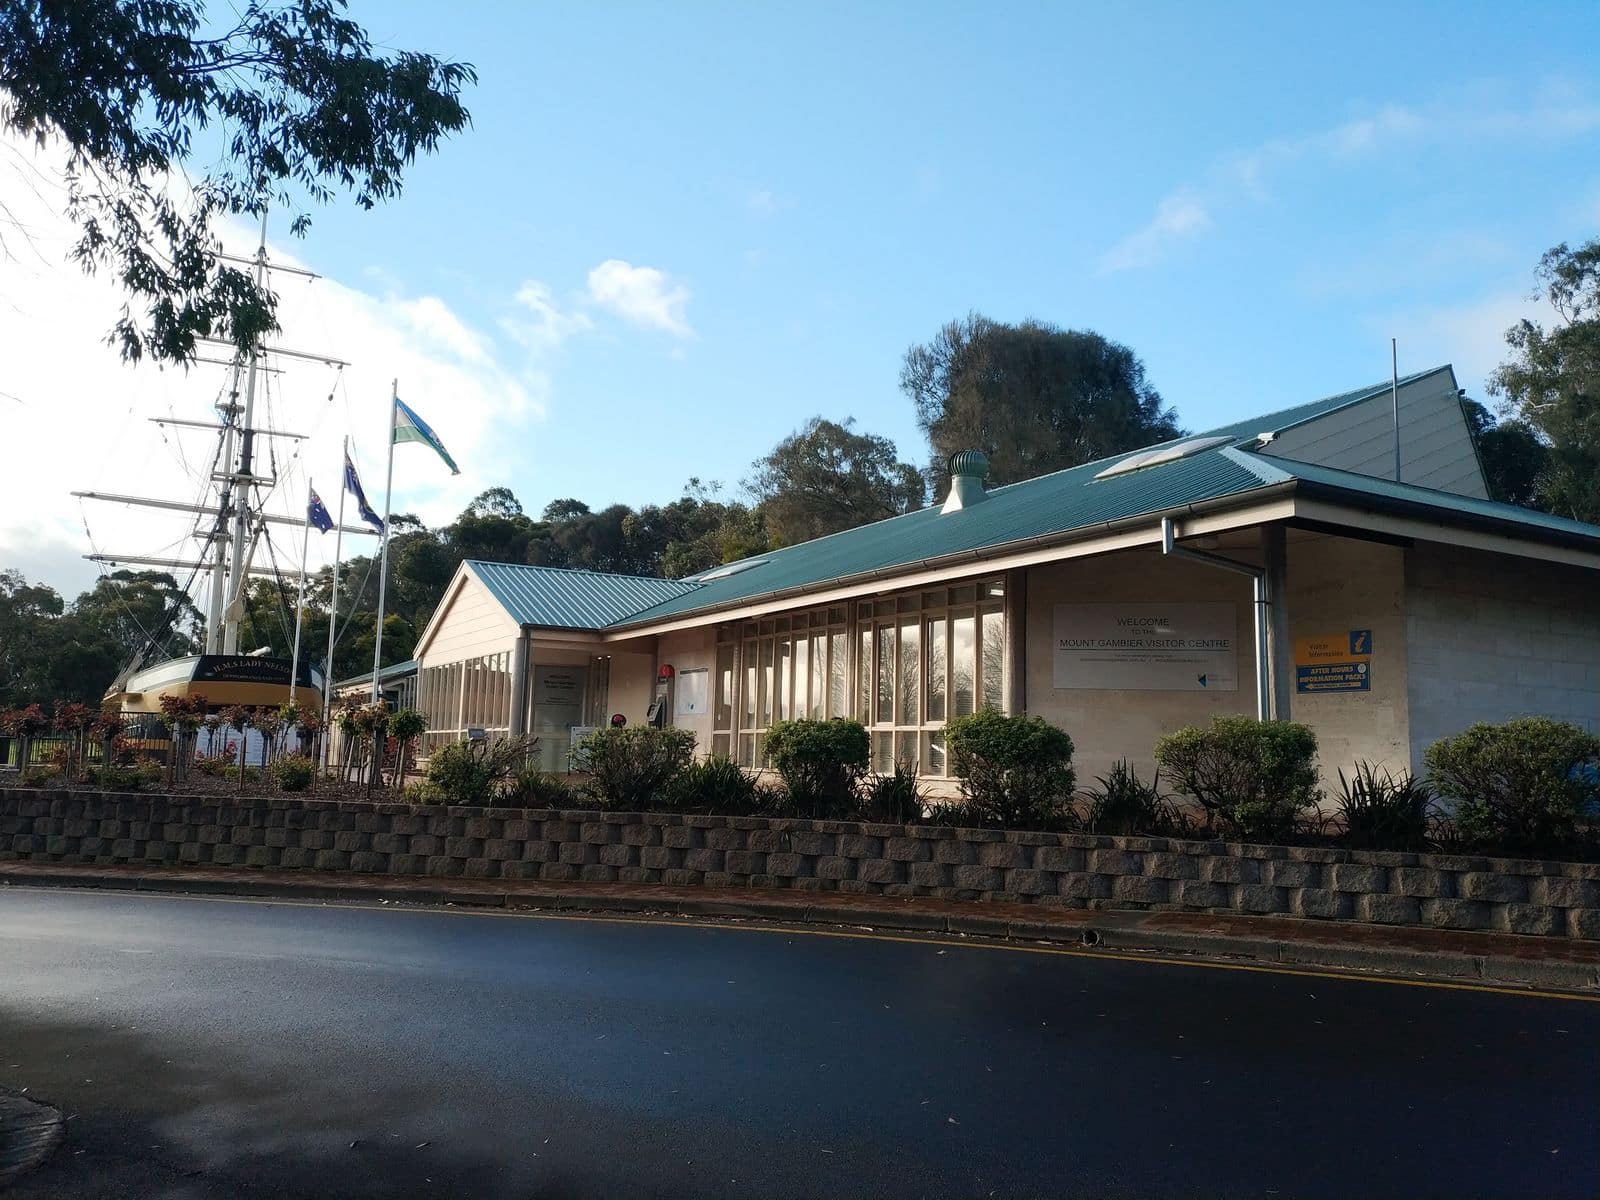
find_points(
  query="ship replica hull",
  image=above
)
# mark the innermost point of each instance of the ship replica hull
(222, 679)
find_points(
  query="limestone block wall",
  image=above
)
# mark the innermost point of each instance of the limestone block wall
(1073, 870)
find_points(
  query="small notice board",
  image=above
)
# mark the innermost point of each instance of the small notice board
(1335, 662)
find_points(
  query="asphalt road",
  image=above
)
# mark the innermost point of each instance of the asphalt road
(208, 1048)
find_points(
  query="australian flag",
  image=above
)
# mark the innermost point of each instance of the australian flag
(317, 513)
(353, 485)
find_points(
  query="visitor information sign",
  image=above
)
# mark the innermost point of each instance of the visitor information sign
(1334, 662)
(1147, 647)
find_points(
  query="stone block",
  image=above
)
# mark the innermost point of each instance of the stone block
(1140, 889)
(540, 851)
(1261, 898)
(597, 833)
(1422, 882)
(352, 841)
(1059, 858)
(597, 873)
(369, 860)
(806, 841)
(1198, 894)
(1082, 885)
(262, 856)
(835, 866)
(746, 862)
(1387, 910)
(928, 874)
(952, 852)
(660, 858)
(558, 872)
(979, 878)
(1029, 881)
(881, 870)
(425, 844)
(1358, 877)
(329, 860)
(682, 837)
(1584, 923)
(904, 849)
(1561, 891)
(499, 849)
(771, 841)
(290, 857)
(725, 839)
(641, 835)
(1115, 862)
(1457, 914)
(855, 845)
(227, 854)
(463, 847)
(619, 855)
(1322, 904)
(681, 878)
(1500, 889)
(1225, 868)
(1284, 872)
(576, 853)
(704, 859)
(1535, 919)
(407, 864)
(210, 835)
(482, 827)
(788, 865)
(1005, 855)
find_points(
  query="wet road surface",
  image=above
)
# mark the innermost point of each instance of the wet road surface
(212, 1048)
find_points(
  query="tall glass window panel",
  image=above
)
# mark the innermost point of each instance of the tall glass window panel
(766, 681)
(864, 677)
(933, 753)
(838, 674)
(963, 665)
(884, 715)
(937, 679)
(819, 674)
(883, 751)
(722, 712)
(783, 659)
(802, 677)
(748, 719)
(910, 671)
(994, 661)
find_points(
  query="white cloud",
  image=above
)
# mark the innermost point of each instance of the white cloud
(1178, 216)
(77, 418)
(1471, 336)
(1192, 208)
(539, 322)
(642, 296)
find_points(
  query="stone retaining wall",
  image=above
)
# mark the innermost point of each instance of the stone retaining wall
(1075, 870)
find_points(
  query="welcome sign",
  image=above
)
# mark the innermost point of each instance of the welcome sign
(1147, 647)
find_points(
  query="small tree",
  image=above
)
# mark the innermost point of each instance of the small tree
(1015, 771)
(1252, 778)
(238, 717)
(25, 724)
(184, 715)
(821, 763)
(405, 727)
(73, 721)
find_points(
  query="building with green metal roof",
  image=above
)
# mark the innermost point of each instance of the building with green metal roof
(1274, 566)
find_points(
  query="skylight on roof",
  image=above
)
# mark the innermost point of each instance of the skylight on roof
(1163, 454)
(729, 569)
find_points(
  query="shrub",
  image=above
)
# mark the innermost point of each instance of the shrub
(1384, 812)
(894, 799)
(1123, 805)
(40, 776)
(470, 772)
(1015, 771)
(1523, 785)
(135, 778)
(532, 788)
(631, 767)
(715, 785)
(293, 772)
(1253, 778)
(820, 763)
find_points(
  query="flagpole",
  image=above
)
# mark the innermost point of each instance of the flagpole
(383, 561)
(333, 612)
(300, 598)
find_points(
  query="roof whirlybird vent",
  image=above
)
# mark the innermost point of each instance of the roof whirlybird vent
(967, 470)
(1171, 452)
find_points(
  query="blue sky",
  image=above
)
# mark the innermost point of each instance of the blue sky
(723, 219)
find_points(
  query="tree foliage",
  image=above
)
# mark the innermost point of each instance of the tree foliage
(1511, 454)
(290, 94)
(1034, 397)
(825, 477)
(1551, 382)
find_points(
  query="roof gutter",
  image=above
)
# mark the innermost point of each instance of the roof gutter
(1081, 533)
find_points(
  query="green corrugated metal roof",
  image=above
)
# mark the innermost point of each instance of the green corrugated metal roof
(1060, 503)
(564, 599)
(392, 671)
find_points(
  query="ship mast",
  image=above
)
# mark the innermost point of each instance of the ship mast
(238, 575)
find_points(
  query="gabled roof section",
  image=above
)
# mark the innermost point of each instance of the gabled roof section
(1288, 418)
(561, 599)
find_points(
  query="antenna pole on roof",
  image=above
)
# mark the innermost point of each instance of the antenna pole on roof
(1394, 399)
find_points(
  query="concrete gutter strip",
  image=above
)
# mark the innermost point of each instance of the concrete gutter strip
(1279, 941)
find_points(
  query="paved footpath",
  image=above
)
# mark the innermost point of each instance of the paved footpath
(1502, 958)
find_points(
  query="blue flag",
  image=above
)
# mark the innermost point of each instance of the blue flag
(353, 486)
(317, 513)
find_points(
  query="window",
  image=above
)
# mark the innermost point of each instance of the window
(794, 666)
(459, 696)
